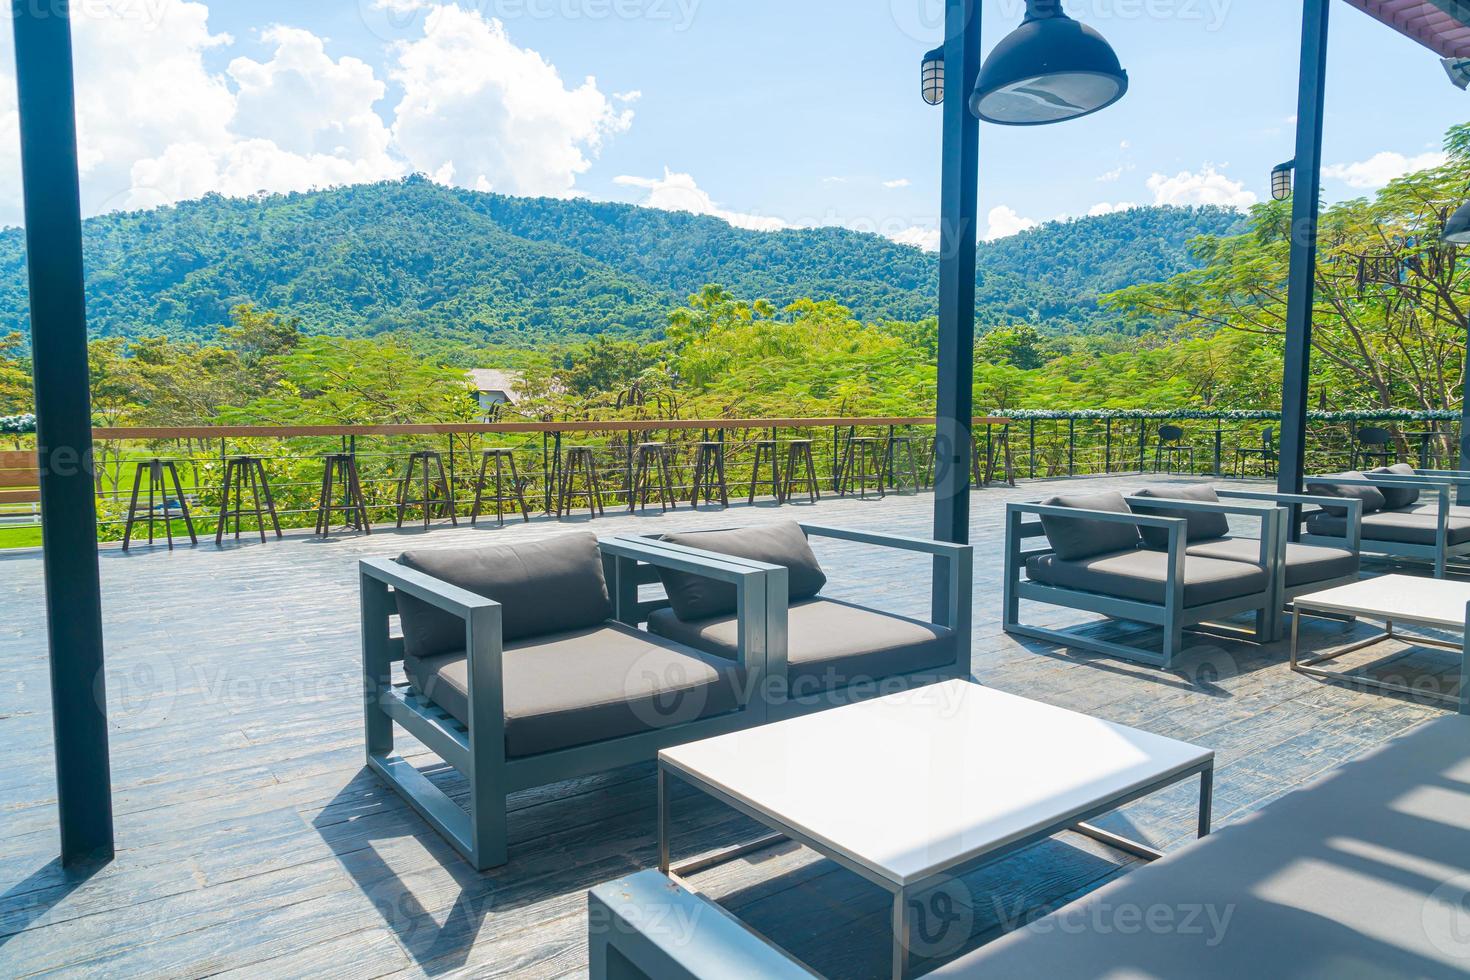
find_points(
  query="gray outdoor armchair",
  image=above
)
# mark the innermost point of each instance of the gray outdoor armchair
(820, 651)
(1096, 559)
(542, 682)
(1405, 514)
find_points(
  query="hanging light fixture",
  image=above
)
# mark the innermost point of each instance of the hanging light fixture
(1281, 180)
(933, 76)
(1049, 70)
(1457, 229)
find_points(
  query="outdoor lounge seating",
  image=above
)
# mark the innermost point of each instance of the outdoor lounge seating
(1405, 515)
(1165, 557)
(820, 651)
(1358, 874)
(519, 672)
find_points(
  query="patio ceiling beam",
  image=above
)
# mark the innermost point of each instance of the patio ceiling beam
(53, 218)
(957, 236)
(1301, 289)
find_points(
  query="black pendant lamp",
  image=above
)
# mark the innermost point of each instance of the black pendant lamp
(1049, 70)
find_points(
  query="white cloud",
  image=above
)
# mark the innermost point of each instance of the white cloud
(477, 111)
(1125, 145)
(157, 123)
(628, 97)
(896, 184)
(918, 235)
(1103, 207)
(1381, 168)
(679, 192)
(1004, 222)
(1112, 175)
(1209, 186)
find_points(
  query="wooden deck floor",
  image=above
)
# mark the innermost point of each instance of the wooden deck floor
(252, 841)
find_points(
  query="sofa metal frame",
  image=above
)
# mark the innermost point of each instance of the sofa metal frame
(477, 751)
(950, 607)
(1172, 615)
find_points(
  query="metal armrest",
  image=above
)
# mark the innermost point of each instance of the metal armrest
(951, 586)
(898, 541)
(437, 593)
(760, 592)
(1107, 516)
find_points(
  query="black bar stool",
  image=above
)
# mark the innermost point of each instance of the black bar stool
(242, 472)
(429, 465)
(900, 457)
(503, 459)
(709, 474)
(339, 476)
(997, 446)
(801, 471)
(766, 449)
(862, 450)
(156, 469)
(653, 469)
(583, 457)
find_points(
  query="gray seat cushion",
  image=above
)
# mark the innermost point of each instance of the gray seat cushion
(1141, 575)
(588, 686)
(1074, 538)
(1305, 563)
(1358, 875)
(1397, 498)
(1372, 497)
(545, 587)
(831, 642)
(1402, 527)
(784, 543)
(1202, 526)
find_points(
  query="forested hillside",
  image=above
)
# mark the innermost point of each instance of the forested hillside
(417, 257)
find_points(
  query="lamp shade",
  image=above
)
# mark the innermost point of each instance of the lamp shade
(1049, 70)
(1281, 179)
(1457, 229)
(933, 76)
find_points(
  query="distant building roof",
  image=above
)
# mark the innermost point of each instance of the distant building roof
(1443, 26)
(490, 381)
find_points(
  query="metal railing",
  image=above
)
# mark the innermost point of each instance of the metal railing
(1024, 445)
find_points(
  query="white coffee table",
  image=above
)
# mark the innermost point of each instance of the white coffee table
(1392, 600)
(908, 788)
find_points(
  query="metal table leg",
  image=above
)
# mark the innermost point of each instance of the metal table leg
(900, 934)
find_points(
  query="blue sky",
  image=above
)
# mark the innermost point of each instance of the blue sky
(769, 112)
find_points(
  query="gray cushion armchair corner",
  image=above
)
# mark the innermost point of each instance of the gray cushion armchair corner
(517, 672)
(1172, 586)
(1425, 524)
(822, 651)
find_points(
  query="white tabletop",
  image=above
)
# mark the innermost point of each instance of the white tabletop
(914, 783)
(1404, 598)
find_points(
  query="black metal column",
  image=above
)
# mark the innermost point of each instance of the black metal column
(1301, 290)
(957, 224)
(1463, 495)
(63, 426)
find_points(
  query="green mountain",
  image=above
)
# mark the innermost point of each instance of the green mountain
(411, 255)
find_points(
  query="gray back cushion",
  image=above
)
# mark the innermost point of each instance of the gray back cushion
(1076, 538)
(544, 587)
(1396, 498)
(1202, 527)
(694, 597)
(1372, 497)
